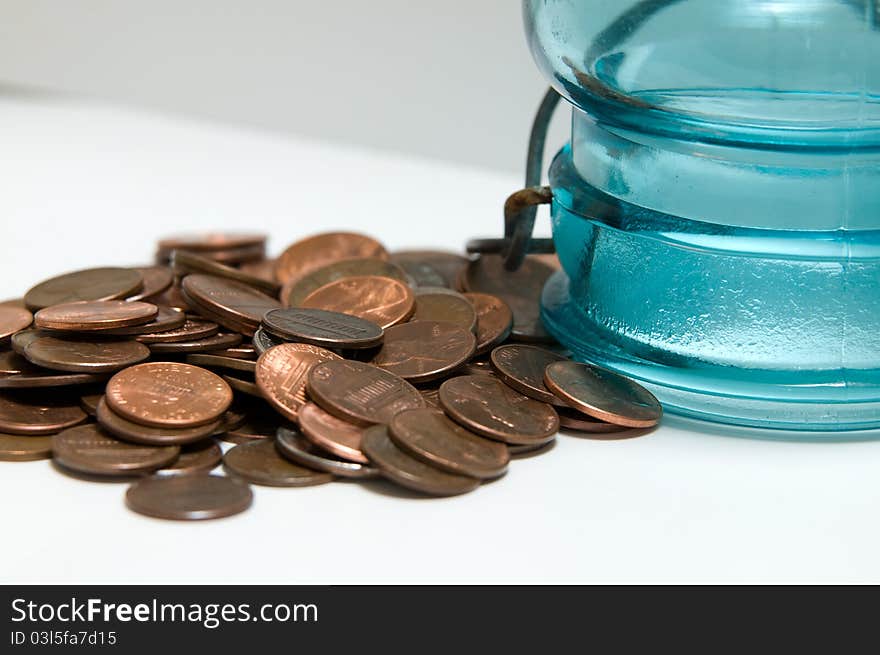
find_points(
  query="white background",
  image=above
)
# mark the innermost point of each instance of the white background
(84, 185)
(451, 80)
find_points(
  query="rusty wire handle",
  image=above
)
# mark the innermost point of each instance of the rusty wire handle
(520, 208)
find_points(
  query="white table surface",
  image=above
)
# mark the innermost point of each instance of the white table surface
(86, 185)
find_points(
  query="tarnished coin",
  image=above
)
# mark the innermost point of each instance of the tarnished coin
(241, 351)
(332, 434)
(298, 288)
(263, 269)
(603, 394)
(297, 448)
(260, 462)
(90, 449)
(11, 363)
(193, 329)
(478, 367)
(256, 426)
(197, 458)
(520, 289)
(29, 414)
(185, 262)
(126, 430)
(156, 280)
(407, 471)
(212, 241)
(322, 328)
(89, 284)
(166, 394)
(382, 300)
(89, 402)
(432, 397)
(218, 361)
(242, 385)
(231, 304)
(523, 451)
(220, 341)
(85, 315)
(421, 351)
(167, 318)
(487, 406)
(522, 367)
(189, 497)
(12, 320)
(571, 419)
(282, 373)
(82, 356)
(172, 297)
(439, 304)
(447, 264)
(20, 340)
(34, 380)
(16, 448)
(263, 341)
(494, 320)
(322, 249)
(428, 435)
(361, 393)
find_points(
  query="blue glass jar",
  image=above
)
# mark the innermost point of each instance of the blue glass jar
(717, 210)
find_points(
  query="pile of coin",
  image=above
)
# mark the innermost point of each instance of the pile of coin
(336, 360)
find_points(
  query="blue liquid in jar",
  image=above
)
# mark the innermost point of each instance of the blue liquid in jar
(717, 211)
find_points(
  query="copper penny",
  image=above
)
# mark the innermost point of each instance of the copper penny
(382, 300)
(197, 458)
(487, 406)
(524, 451)
(494, 320)
(263, 341)
(232, 256)
(361, 393)
(39, 379)
(156, 280)
(520, 289)
(478, 367)
(260, 462)
(447, 264)
(12, 320)
(89, 402)
(332, 434)
(20, 340)
(172, 297)
(282, 373)
(242, 385)
(297, 448)
(89, 284)
(192, 329)
(185, 262)
(603, 394)
(166, 394)
(232, 304)
(220, 341)
(212, 241)
(87, 315)
(90, 449)
(421, 273)
(407, 471)
(255, 427)
(432, 397)
(219, 361)
(571, 419)
(241, 351)
(440, 304)
(122, 428)
(263, 269)
(11, 363)
(82, 356)
(29, 414)
(322, 328)
(189, 497)
(16, 448)
(167, 319)
(421, 351)
(428, 435)
(522, 367)
(322, 249)
(298, 289)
